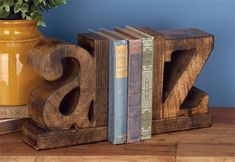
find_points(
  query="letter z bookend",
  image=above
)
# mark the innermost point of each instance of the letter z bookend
(70, 107)
(179, 58)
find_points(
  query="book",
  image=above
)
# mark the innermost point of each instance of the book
(134, 86)
(13, 112)
(10, 125)
(118, 73)
(147, 79)
(98, 47)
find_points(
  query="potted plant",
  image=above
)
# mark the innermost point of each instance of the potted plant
(18, 35)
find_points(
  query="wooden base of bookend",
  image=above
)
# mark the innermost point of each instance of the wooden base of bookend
(181, 123)
(41, 139)
(193, 114)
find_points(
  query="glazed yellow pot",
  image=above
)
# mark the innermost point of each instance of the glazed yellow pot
(17, 79)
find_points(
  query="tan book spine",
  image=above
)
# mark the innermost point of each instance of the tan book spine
(13, 112)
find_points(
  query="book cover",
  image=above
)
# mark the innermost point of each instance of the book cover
(134, 87)
(13, 112)
(147, 79)
(10, 125)
(118, 73)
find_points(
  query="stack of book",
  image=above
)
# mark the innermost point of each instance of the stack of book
(11, 118)
(130, 83)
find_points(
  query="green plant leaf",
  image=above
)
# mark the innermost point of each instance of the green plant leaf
(3, 13)
(28, 9)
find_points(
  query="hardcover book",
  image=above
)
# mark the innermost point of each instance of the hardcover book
(13, 112)
(118, 66)
(147, 79)
(134, 87)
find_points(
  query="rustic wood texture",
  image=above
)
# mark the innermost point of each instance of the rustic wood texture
(216, 143)
(196, 102)
(70, 107)
(179, 58)
(63, 101)
(98, 47)
(188, 51)
(40, 138)
(181, 123)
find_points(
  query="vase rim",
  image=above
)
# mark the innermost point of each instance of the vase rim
(18, 22)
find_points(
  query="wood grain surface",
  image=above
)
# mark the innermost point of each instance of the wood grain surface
(64, 99)
(216, 143)
(98, 47)
(179, 58)
(64, 108)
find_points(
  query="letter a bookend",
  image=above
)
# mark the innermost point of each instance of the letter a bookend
(64, 108)
(70, 107)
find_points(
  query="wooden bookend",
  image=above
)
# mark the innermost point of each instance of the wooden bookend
(64, 109)
(179, 58)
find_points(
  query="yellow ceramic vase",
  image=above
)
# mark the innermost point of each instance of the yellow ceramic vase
(17, 79)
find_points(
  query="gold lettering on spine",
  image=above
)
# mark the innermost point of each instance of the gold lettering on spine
(121, 61)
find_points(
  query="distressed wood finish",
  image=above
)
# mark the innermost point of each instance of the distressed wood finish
(98, 47)
(65, 100)
(181, 123)
(64, 108)
(40, 138)
(216, 143)
(187, 51)
(179, 57)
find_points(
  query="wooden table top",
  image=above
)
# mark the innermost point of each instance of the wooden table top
(216, 143)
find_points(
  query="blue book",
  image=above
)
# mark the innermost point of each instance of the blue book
(134, 86)
(118, 73)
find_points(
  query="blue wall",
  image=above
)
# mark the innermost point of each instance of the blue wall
(214, 16)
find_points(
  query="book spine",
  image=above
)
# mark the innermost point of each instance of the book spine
(14, 112)
(147, 85)
(118, 92)
(134, 91)
(10, 125)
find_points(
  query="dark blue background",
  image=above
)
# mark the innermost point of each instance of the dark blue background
(214, 16)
